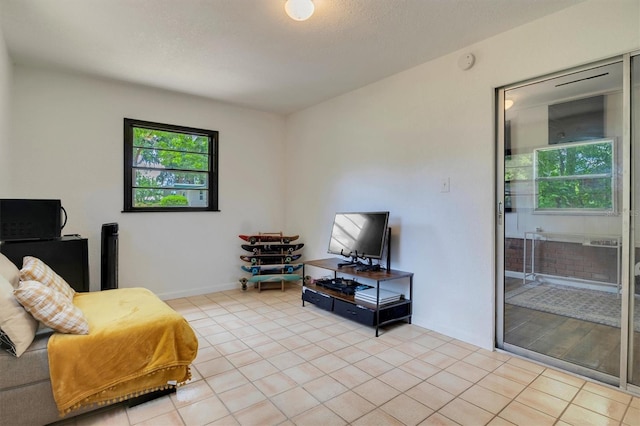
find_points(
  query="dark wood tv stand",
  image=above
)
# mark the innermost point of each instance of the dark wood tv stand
(345, 305)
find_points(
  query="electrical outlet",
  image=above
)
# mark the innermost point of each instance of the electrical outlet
(444, 185)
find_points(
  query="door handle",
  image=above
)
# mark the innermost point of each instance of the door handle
(500, 213)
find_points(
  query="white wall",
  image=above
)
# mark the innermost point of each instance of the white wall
(5, 89)
(387, 146)
(67, 143)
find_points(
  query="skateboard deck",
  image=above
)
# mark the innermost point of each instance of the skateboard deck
(271, 248)
(281, 278)
(271, 269)
(274, 278)
(270, 259)
(269, 238)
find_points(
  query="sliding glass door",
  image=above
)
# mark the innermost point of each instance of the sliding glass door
(565, 295)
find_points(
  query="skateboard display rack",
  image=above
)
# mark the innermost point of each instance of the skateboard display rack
(270, 259)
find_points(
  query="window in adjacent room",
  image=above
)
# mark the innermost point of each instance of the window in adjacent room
(575, 177)
(169, 168)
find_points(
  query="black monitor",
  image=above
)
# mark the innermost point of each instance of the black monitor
(359, 234)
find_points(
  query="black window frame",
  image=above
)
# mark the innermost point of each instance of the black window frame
(212, 173)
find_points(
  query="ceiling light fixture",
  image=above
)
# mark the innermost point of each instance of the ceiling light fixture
(299, 10)
(508, 103)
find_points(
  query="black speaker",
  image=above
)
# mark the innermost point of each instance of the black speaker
(109, 257)
(23, 219)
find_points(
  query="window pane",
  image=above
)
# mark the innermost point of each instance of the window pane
(589, 159)
(166, 159)
(145, 178)
(159, 139)
(168, 198)
(518, 167)
(586, 193)
(575, 176)
(169, 167)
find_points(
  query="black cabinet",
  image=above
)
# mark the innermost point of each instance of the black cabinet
(68, 256)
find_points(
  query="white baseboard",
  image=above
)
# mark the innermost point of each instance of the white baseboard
(513, 274)
(199, 291)
(454, 332)
(577, 283)
(568, 281)
(205, 290)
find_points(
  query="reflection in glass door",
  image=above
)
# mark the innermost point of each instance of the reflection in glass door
(560, 227)
(634, 291)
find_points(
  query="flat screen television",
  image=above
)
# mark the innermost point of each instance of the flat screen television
(360, 235)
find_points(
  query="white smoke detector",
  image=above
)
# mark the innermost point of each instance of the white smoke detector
(466, 61)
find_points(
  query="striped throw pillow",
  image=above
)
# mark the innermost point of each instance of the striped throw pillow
(34, 269)
(51, 308)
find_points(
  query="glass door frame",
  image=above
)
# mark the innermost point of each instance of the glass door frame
(627, 225)
(634, 187)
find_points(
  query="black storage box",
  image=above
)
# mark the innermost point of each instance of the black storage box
(322, 301)
(367, 316)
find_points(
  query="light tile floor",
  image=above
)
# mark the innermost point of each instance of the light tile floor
(266, 360)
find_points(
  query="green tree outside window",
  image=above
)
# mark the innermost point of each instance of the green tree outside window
(575, 176)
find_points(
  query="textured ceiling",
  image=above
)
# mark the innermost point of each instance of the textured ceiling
(248, 52)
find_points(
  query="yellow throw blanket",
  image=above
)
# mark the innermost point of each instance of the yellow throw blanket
(136, 344)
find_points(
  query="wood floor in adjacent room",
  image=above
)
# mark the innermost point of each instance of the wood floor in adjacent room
(587, 344)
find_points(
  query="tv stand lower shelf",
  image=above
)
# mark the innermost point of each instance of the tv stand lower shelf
(371, 314)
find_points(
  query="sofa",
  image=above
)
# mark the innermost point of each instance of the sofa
(25, 380)
(30, 392)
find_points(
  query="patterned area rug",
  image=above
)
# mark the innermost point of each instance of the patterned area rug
(589, 305)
